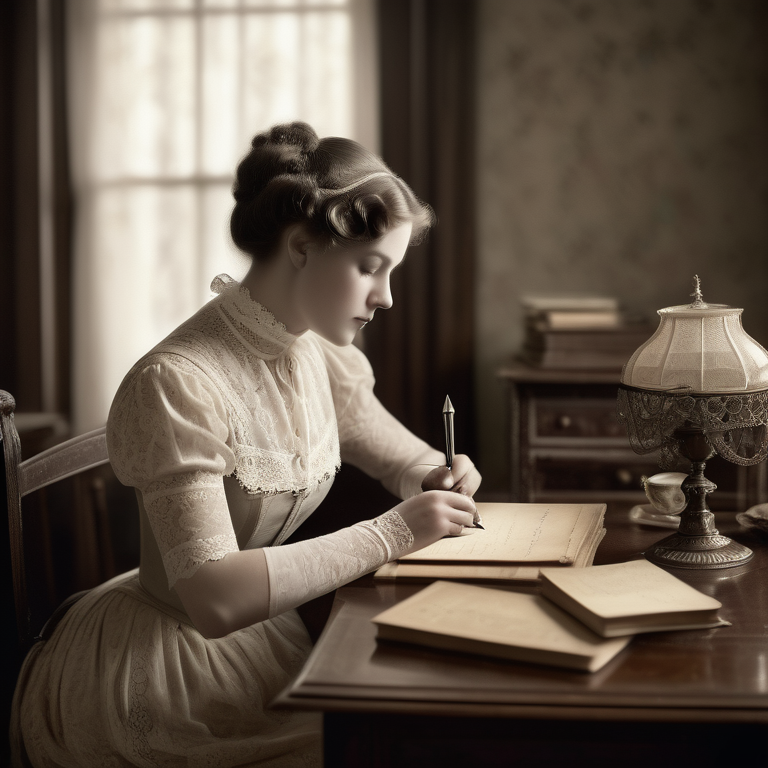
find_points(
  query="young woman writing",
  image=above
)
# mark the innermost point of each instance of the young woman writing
(231, 430)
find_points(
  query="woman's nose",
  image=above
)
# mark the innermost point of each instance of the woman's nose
(382, 296)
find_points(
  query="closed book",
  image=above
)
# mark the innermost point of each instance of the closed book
(627, 598)
(575, 360)
(625, 338)
(538, 304)
(491, 622)
(576, 319)
(518, 576)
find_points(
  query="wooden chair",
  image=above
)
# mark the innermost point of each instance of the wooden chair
(68, 460)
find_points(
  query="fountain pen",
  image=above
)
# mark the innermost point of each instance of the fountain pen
(448, 411)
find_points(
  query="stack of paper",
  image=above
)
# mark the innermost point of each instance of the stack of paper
(518, 540)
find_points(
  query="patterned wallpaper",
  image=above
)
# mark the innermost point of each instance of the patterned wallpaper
(622, 147)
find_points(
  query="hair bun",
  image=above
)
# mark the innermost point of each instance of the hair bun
(298, 135)
(283, 148)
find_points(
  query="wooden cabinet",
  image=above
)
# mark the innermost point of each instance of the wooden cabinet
(566, 444)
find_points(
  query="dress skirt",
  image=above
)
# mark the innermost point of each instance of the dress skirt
(127, 681)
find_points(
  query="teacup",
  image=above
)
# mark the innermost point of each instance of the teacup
(664, 492)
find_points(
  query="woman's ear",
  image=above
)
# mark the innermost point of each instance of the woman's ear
(298, 244)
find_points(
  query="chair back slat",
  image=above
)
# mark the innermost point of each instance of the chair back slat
(12, 456)
(23, 477)
(77, 455)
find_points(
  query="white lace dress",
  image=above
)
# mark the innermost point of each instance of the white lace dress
(231, 430)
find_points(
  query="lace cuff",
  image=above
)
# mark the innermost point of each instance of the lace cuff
(393, 531)
(305, 570)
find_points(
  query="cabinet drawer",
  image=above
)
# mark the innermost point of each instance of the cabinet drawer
(590, 474)
(574, 419)
(618, 475)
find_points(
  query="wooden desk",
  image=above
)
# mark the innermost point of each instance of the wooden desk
(677, 698)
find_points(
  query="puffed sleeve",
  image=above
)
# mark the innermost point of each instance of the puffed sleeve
(370, 437)
(168, 436)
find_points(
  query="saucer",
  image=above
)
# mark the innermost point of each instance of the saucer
(755, 517)
(648, 515)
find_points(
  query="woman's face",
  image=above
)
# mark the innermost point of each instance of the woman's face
(340, 289)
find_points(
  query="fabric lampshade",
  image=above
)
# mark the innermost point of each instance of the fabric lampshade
(702, 349)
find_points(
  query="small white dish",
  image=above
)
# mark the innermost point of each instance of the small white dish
(647, 515)
(755, 517)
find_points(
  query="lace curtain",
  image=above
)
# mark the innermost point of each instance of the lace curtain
(164, 97)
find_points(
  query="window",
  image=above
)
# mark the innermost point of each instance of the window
(165, 96)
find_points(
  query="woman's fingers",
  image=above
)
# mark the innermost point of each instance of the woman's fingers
(466, 477)
(459, 502)
(463, 477)
(434, 514)
(439, 479)
(461, 516)
(462, 510)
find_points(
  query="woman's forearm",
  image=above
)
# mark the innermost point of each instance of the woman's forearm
(305, 570)
(249, 586)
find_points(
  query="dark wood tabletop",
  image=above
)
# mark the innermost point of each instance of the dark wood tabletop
(713, 675)
(687, 698)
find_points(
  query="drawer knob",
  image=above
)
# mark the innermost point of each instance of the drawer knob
(564, 421)
(624, 476)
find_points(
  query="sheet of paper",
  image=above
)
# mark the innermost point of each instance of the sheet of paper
(519, 533)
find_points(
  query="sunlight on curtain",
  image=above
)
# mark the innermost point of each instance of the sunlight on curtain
(165, 96)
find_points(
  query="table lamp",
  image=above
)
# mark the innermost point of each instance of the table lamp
(698, 387)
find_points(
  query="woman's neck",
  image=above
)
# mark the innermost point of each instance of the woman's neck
(271, 285)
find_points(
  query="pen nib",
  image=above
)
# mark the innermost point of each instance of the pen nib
(448, 406)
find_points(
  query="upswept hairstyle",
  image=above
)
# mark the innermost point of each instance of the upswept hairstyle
(338, 189)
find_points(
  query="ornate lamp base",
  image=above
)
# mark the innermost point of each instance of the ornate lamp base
(697, 543)
(709, 551)
(696, 425)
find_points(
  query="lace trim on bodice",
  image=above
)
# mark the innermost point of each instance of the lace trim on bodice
(252, 323)
(267, 472)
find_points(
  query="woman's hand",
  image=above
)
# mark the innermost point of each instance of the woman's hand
(462, 478)
(434, 514)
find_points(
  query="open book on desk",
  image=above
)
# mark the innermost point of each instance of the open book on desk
(518, 540)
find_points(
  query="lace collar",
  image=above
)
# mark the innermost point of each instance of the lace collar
(251, 322)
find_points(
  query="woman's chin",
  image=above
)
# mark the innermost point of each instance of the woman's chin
(339, 338)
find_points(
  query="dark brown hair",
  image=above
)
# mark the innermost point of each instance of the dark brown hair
(340, 190)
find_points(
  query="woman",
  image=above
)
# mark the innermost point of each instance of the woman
(232, 430)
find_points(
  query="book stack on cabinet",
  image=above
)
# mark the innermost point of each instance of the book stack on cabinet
(579, 332)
